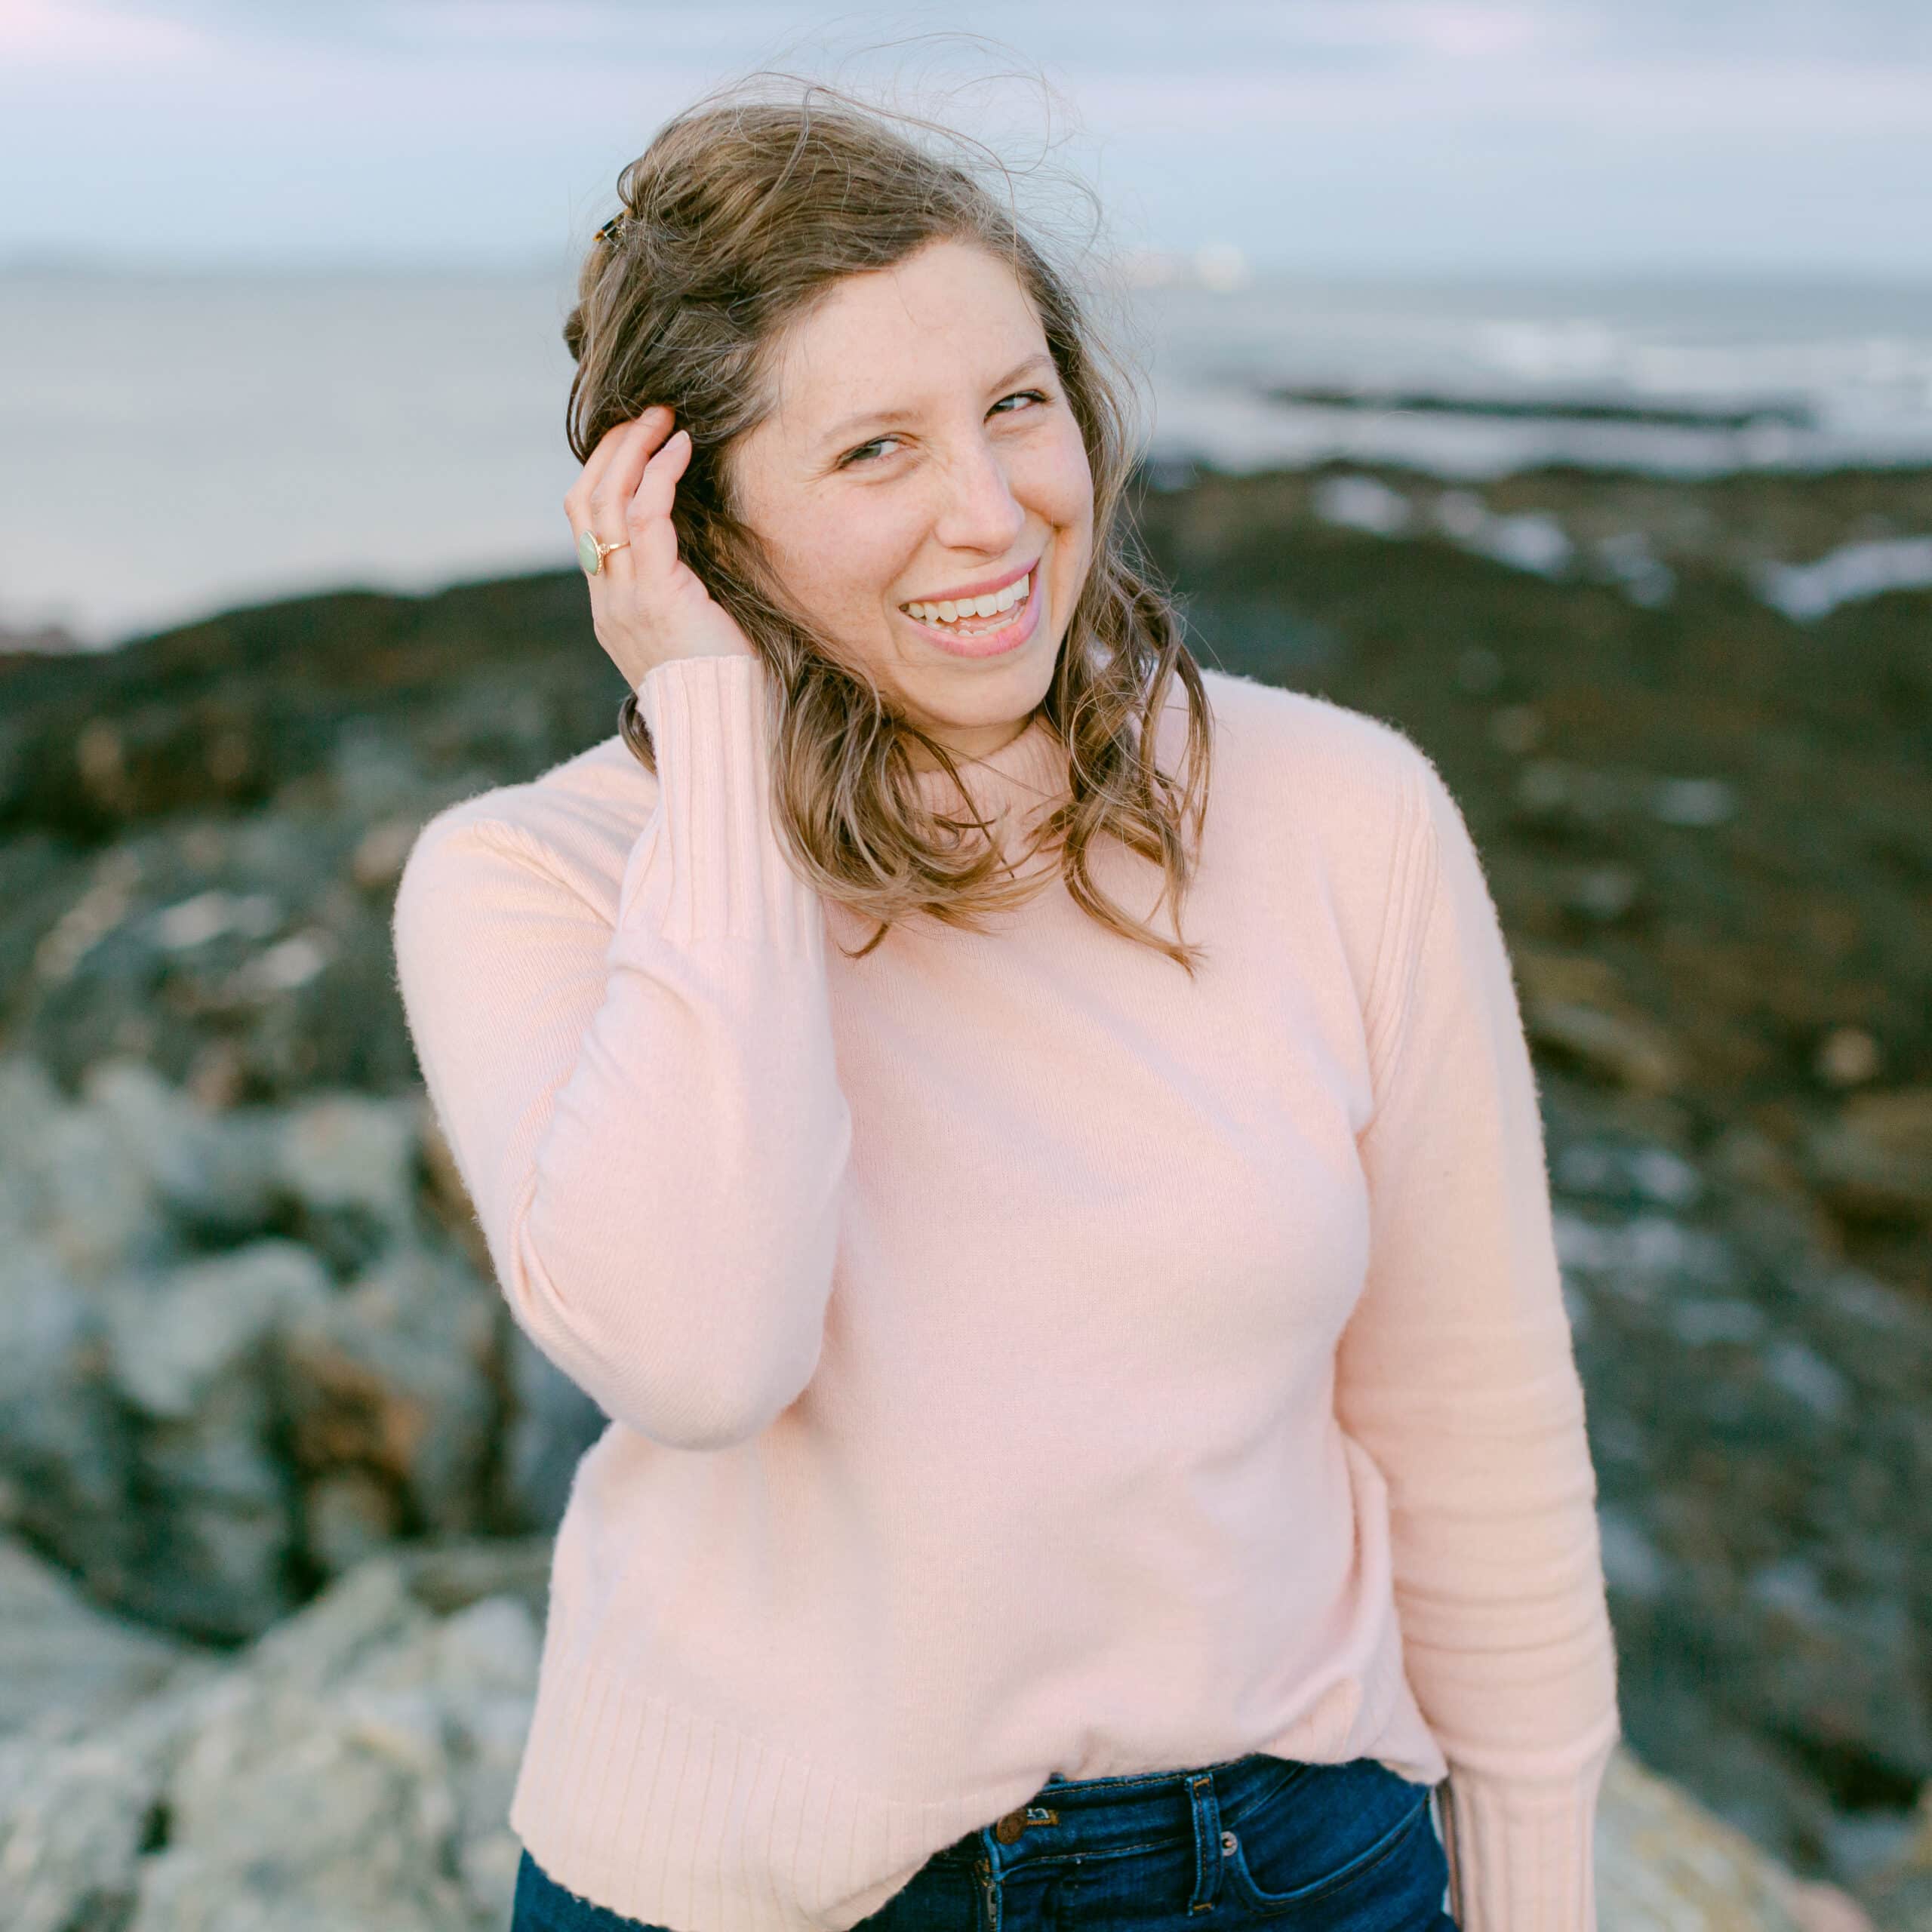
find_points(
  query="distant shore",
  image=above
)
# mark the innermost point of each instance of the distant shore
(1806, 540)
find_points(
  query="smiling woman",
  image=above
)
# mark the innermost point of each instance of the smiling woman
(897, 404)
(1090, 1443)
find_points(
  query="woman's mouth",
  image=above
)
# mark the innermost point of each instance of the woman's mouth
(968, 634)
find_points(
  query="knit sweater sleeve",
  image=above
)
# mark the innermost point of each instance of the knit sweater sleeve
(644, 1107)
(1456, 1373)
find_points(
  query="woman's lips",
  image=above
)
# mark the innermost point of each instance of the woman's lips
(981, 589)
(1008, 636)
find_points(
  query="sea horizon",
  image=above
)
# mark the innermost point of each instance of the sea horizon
(185, 440)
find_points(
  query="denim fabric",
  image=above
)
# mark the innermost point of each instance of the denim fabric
(1256, 1840)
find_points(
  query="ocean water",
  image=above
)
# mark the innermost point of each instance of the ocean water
(172, 446)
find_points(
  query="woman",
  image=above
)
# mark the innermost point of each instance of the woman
(1094, 1437)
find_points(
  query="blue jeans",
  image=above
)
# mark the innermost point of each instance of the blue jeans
(1256, 1840)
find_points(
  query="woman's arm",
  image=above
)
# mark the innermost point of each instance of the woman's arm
(647, 1117)
(1456, 1374)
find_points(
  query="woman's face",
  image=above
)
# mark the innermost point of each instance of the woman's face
(921, 443)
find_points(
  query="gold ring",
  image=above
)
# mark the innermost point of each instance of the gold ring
(590, 553)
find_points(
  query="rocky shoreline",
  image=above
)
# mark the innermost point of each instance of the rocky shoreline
(277, 1471)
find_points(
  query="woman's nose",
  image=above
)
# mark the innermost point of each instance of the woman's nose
(980, 511)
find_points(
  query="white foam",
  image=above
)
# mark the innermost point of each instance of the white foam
(1360, 502)
(1530, 540)
(1805, 592)
(1815, 376)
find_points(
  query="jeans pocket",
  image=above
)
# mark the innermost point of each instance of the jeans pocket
(1352, 1844)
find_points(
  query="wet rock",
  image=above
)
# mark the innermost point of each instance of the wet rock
(1662, 1859)
(1625, 1172)
(393, 1379)
(1602, 895)
(173, 1340)
(1622, 1048)
(98, 1209)
(202, 1435)
(78, 1809)
(1759, 1464)
(1875, 1159)
(377, 862)
(61, 1657)
(192, 1355)
(1847, 1056)
(212, 1170)
(69, 1456)
(351, 1769)
(30, 1103)
(350, 1162)
(349, 1150)
(1899, 1893)
(349, 1515)
(1559, 796)
(553, 1423)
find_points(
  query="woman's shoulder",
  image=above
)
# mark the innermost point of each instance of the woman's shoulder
(1325, 814)
(574, 823)
(1305, 761)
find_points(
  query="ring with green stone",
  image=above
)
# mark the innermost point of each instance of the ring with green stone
(590, 553)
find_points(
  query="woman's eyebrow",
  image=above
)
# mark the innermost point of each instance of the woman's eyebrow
(901, 413)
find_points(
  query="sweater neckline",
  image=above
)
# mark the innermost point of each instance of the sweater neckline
(1029, 772)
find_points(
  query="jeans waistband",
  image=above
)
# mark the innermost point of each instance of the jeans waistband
(1144, 1809)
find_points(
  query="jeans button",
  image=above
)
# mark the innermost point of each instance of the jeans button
(1229, 1841)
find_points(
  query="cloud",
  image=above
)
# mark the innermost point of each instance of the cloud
(44, 39)
(1783, 101)
(1082, 37)
(1473, 127)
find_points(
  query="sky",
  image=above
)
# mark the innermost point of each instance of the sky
(1567, 137)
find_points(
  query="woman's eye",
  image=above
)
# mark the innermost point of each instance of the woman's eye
(853, 456)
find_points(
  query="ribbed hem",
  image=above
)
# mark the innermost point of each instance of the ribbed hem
(710, 865)
(1522, 1851)
(680, 1820)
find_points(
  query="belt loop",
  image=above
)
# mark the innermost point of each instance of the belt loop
(1207, 1844)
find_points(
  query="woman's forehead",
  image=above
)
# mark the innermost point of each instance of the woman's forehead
(891, 343)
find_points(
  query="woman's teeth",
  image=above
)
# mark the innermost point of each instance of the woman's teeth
(966, 614)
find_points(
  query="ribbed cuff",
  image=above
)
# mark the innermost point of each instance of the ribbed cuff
(1522, 1851)
(710, 865)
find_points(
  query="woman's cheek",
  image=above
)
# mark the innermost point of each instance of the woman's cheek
(1075, 484)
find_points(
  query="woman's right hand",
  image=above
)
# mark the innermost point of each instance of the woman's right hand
(647, 606)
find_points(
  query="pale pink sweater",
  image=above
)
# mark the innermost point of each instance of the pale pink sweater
(1021, 1357)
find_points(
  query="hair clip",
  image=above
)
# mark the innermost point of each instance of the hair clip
(608, 232)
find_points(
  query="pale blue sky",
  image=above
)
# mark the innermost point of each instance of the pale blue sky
(1608, 136)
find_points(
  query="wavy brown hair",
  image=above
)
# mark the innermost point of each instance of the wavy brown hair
(741, 214)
